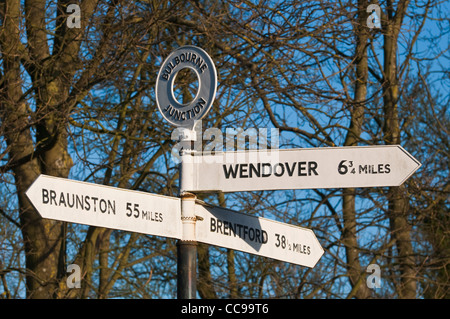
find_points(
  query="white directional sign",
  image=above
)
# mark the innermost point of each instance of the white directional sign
(104, 206)
(309, 168)
(256, 235)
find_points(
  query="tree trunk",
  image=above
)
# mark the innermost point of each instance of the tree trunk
(42, 238)
(349, 236)
(398, 200)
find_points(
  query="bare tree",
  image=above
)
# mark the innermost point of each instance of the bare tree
(78, 102)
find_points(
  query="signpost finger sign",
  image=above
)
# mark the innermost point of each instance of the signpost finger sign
(104, 206)
(256, 235)
(303, 168)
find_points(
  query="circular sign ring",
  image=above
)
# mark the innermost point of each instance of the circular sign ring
(176, 113)
(172, 82)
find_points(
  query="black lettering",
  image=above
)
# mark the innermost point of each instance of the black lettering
(290, 170)
(251, 234)
(95, 199)
(171, 111)
(263, 171)
(177, 115)
(45, 198)
(301, 168)
(240, 228)
(225, 227)
(199, 62)
(312, 166)
(232, 229)
(255, 170)
(53, 198)
(230, 171)
(264, 237)
(196, 108)
(111, 207)
(257, 235)
(363, 169)
(243, 170)
(62, 200)
(387, 168)
(275, 169)
(102, 209)
(68, 200)
(242, 231)
(219, 226)
(245, 231)
(79, 202)
(86, 202)
(201, 102)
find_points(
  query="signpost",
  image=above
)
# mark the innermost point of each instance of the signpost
(103, 206)
(308, 168)
(186, 116)
(184, 219)
(256, 235)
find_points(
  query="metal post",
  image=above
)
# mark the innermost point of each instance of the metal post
(187, 252)
(186, 272)
(187, 246)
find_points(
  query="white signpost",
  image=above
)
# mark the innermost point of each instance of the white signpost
(256, 235)
(184, 219)
(308, 168)
(103, 206)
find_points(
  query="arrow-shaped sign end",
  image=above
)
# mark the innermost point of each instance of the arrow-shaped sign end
(412, 163)
(30, 193)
